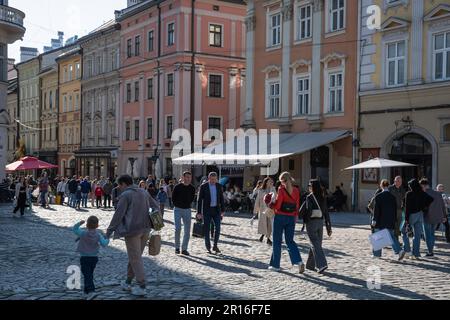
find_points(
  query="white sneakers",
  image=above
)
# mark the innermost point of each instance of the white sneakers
(125, 286)
(138, 291)
(274, 269)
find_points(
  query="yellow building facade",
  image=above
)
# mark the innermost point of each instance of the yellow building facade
(69, 129)
(405, 91)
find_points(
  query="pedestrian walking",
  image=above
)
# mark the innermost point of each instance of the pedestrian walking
(21, 200)
(162, 199)
(183, 196)
(265, 225)
(78, 197)
(98, 196)
(86, 189)
(416, 203)
(132, 222)
(211, 208)
(89, 242)
(115, 195)
(43, 189)
(315, 216)
(399, 192)
(61, 190)
(107, 190)
(385, 217)
(93, 188)
(286, 207)
(436, 214)
(441, 189)
(73, 186)
(170, 188)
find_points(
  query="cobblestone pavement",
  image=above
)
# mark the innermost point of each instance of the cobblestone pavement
(36, 251)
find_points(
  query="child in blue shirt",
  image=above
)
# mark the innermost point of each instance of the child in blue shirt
(89, 242)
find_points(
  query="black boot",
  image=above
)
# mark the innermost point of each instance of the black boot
(261, 239)
(269, 242)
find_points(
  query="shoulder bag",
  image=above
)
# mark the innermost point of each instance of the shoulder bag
(288, 207)
(316, 213)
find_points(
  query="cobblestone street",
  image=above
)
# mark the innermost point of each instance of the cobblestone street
(36, 251)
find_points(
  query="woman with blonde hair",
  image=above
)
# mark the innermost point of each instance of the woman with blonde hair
(142, 185)
(286, 207)
(262, 211)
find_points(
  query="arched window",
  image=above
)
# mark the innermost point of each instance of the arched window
(411, 143)
(447, 132)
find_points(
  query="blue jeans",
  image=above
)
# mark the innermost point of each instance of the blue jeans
(72, 200)
(207, 219)
(416, 222)
(88, 265)
(430, 238)
(84, 199)
(395, 244)
(182, 216)
(284, 224)
(43, 200)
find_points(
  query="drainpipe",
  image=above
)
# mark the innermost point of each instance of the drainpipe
(193, 75)
(158, 104)
(18, 109)
(357, 134)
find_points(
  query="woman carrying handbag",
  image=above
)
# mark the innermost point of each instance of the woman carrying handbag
(314, 211)
(286, 206)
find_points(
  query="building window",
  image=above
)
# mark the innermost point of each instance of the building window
(335, 92)
(78, 70)
(77, 101)
(64, 103)
(441, 56)
(50, 100)
(337, 15)
(215, 35)
(303, 96)
(275, 30)
(170, 34)
(45, 100)
(70, 108)
(170, 85)
(215, 86)
(151, 39)
(136, 130)
(136, 91)
(396, 70)
(128, 92)
(65, 77)
(127, 131)
(215, 123)
(149, 128)
(169, 127)
(150, 89)
(447, 133)
(169, 167)
(273, 100)
(70, 72)
(137, 46)
(129, 48)
(304, 22)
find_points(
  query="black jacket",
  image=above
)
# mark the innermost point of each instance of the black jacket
(73, 186)
(385, 212)
(416, 200)
(204, 199)
(309, 205)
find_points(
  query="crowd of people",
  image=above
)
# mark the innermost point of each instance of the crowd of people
(278, 206)
(414, 214)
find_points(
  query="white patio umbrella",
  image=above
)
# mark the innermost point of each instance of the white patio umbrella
(379, 163)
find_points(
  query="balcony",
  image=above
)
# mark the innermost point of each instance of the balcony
(11, 24)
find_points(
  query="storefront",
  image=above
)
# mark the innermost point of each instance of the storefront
(97, 163)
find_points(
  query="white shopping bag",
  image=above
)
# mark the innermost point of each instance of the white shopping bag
(380, 240)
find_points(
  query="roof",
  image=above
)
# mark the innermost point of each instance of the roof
(108, 26)
(12, 85)
(68, 54)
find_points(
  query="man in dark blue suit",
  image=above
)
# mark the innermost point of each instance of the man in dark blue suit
(211, 208)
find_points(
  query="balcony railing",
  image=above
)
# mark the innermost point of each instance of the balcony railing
(11, 15)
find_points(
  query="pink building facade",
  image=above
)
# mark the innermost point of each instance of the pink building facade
(158, 45)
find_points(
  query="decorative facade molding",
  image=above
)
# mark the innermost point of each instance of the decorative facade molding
(287, 12)
(440, 12)
(301, 63)
(394, 23)
(250, 23)
(318, 5)
(333, 56)
(271, 68)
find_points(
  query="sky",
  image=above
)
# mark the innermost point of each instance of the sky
(44, 18)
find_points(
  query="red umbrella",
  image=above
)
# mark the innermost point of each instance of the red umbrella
(29, 163)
